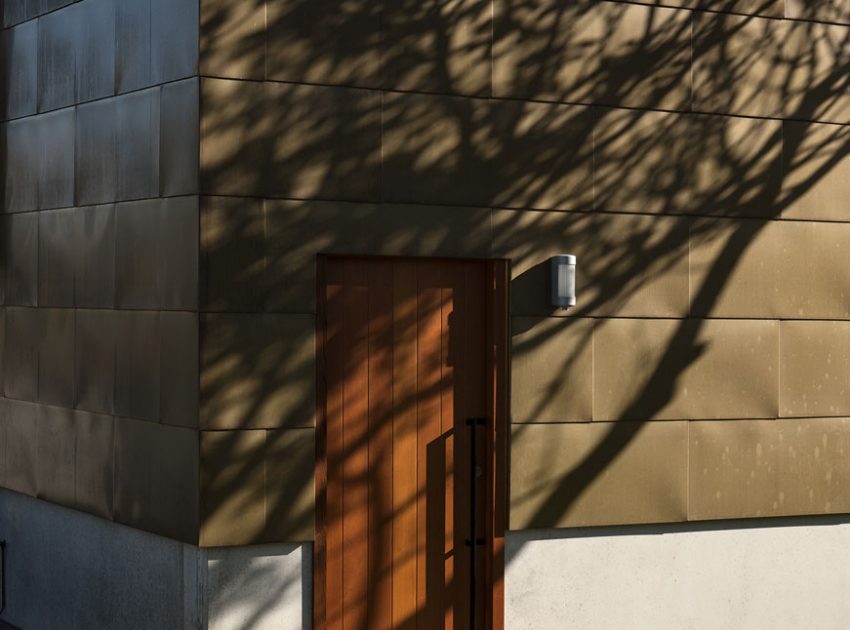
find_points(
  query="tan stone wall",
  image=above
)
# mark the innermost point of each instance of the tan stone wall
(692, 154)
(99, 258)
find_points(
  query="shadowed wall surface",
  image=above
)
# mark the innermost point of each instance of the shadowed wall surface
(100, 258)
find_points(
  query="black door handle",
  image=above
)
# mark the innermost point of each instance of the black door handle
(475, 473)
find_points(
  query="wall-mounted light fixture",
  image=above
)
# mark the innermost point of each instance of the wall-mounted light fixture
(563, 281)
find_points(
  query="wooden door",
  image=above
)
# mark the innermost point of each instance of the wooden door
(410, 471)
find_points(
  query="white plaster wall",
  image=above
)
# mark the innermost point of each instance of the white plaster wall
(266, 587)
(775, 575)
(68, 570)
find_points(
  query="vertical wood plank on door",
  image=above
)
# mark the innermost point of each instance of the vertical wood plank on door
(475, 391)
(430, 448)
(448, 288)
(320, 543)
(404, 445)
(461, 360)
(355, 444)
(498, 277)
(335, 452)
(380, 608)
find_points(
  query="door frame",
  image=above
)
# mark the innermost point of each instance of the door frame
(497, 366)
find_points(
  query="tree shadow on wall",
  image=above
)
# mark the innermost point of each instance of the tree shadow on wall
(619, 176)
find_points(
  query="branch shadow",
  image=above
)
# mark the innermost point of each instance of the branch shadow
(617, 153)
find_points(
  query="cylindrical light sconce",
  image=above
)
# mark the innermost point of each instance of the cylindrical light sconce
(563, 281)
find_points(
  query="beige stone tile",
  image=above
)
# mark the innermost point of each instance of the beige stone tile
(816, 165)
(437, 45)
(737, 168)
(814, 364)
(179, 335)
(593, 52)
(628, 265)
(257, 486)
(437, 150)
(56, 357)
(815, 280)
(232, 487)
(325, 142)
(24, 331)
(551, 369)
(296, 231)
(156, 478)
(765, 8)
(540, 52)
(574, 475)
(258, 371)
(758, 468)
(93, 468)
(290, 485)
(685, 369)
(642, 161)
(818, 55)
(233, 261)
(286, 140)
(56, 455)
(321, 41)
(3, 351)
(545, 155)
(22, 447)
(4, 440)
(233, 39)
(236, 132)
(739, 66)
(782, 269)
(828, 11)
(645, 57)
(736, 268)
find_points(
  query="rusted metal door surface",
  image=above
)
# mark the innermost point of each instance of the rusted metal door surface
(408, 534)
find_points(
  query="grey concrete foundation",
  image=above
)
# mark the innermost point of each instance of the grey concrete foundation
(69, 570)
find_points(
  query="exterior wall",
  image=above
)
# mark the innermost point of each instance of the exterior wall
(779, 574)
(693, 157)
(171, 169)
(264, 587)
(99, 259)
(68, 569)
(72, 570)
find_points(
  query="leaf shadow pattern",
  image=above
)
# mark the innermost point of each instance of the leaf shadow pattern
(625, 132)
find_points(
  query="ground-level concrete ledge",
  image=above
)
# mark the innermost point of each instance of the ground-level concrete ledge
(66, 569)
(69, 570)
(782, 574)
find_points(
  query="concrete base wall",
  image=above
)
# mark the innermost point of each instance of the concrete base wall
(66, 569)
(266, 587)
(69, 570)
(781, 575)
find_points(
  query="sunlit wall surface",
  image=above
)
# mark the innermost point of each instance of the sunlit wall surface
(693, 157)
